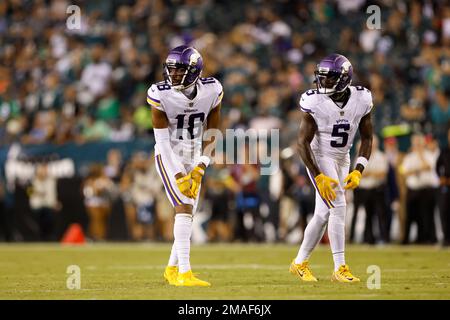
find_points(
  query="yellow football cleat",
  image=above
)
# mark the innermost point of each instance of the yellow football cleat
(344, 275)
(188, 279)
(171, 274)
(302, 270)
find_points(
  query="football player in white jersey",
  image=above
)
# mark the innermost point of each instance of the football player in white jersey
(331, 116)
(182, 106)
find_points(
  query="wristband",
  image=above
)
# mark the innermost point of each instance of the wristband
(362, 161)
(205, 160)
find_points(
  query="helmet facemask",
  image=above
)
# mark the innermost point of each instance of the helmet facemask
(176, 74)
(327, 82)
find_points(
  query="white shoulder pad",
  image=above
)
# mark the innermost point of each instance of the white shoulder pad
(153, 97)
(156, 93)
(216, 88)
(365, 98)
(309, 101)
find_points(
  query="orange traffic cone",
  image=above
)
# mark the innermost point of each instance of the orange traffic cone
(74, 235)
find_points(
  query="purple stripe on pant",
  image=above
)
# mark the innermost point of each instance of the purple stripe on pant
(317, 190)
(167, 183)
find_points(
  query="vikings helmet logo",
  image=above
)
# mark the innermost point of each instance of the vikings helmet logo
(193, 59)
(346, 65)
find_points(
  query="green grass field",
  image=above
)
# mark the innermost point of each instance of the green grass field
(236, 271)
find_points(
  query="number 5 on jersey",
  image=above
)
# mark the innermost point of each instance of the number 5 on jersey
(339, 130)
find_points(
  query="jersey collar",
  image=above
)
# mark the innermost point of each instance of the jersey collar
(345, 101)
(197, 86)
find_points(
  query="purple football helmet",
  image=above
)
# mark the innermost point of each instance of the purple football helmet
(183, 67)
(333, 74)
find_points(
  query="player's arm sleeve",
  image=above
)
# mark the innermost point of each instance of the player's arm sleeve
(162, 141)
(218, 93)
(153, 98)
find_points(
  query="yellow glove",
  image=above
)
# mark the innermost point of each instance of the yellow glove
(184, 185)
(354, 178)
(326, 185)
(196, 174)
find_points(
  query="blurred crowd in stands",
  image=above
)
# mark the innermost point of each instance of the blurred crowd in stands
(60, 85)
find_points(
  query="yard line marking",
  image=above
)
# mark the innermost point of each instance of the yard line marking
(47, 291)
(253, 266)
(212, 266)
(414, 270)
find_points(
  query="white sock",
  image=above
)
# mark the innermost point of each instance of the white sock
(182, 232)
(313, 233)
(336, 234)
(173, 259)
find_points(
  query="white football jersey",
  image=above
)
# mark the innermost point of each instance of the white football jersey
(187, 118)
(336, 126)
